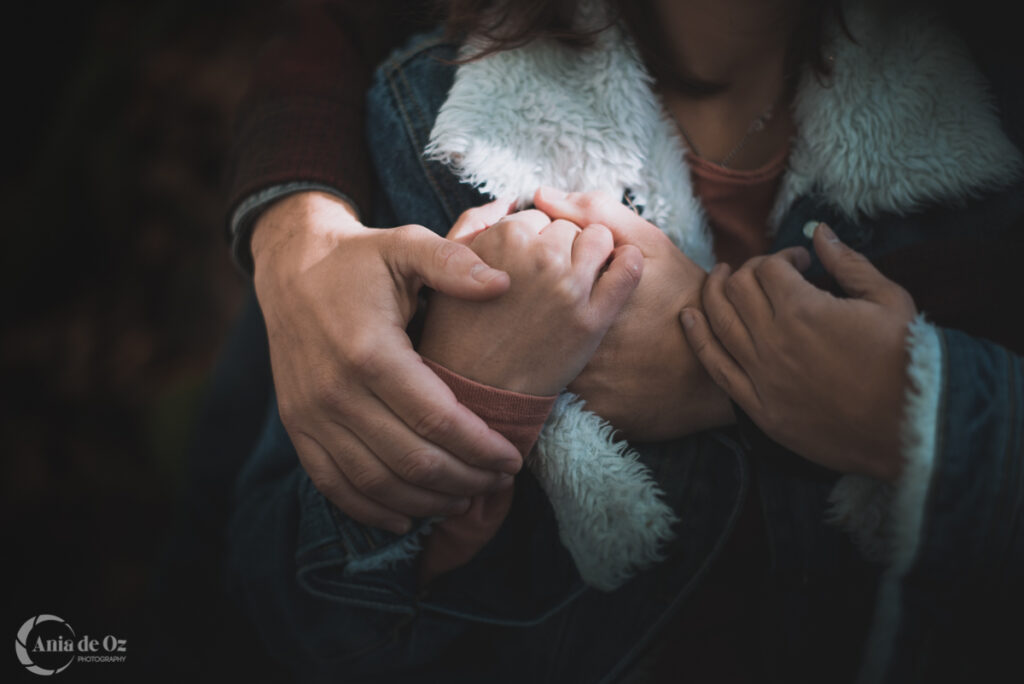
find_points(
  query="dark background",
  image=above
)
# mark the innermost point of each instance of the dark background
(118, 291)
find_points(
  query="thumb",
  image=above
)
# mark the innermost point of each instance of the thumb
(855, 274)
(446, 266)
(617, 282)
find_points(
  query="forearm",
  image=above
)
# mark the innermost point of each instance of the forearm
(301, 120)
(319, 216)
(305, 100)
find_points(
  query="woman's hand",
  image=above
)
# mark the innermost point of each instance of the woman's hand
(644, 378)
(377, 431)
(823, 376)
(568, 285)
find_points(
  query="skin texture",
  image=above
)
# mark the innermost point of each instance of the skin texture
(741, 45)
(821, 375)
(378, 432)
(568, 286)
(644, 379)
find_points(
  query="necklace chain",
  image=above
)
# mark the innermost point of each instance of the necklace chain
(756, 126)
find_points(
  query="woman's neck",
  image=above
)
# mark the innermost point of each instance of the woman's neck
(743, 45)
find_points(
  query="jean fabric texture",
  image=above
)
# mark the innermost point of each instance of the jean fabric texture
(519, 611)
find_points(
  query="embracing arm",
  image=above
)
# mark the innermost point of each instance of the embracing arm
(925, 422)
(377, 431)
(300, 124)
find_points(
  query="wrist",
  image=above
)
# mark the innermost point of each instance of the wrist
(481, 369)
(302, 214)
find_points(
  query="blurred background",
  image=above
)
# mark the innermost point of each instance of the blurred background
(118, 290)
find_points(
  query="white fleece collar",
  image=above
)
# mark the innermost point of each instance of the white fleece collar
(905, 121)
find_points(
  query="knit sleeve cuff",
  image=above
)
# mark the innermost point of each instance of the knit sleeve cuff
(518, 417)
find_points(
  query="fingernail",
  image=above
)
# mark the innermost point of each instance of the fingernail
(505, 481)
(809, 229)
(483, 274)
(460, 507)
(549, 194)
(688, 320)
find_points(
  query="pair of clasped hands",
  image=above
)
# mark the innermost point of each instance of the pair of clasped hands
(579, 292)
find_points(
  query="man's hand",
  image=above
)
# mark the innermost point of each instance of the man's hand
(568, 285)
(378, 433)
(644, 378)
(823, 376)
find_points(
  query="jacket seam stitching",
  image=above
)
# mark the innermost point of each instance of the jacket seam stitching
(411, 131)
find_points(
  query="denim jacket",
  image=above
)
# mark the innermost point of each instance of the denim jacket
(336, 601)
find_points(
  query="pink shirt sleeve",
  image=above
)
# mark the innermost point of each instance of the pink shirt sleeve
(519, 418)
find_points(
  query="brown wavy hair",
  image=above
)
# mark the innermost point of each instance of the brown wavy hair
(507, 24)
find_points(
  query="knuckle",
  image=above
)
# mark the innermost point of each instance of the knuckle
(634, 260)
(565, 290)
(768, 265)
(400, 240)
(850, 259)
(325, 483)
(700, 344)
(721, 378)
(434, 426)
(371, 482)
(445, 251)
(754, 263)
(403, 235)
(420, 466)
(532, 215)
(548, 259)
(733, 286)
(364, 356)
(723, 325)
(600, 232)
(801, 309)
(593, 201)
(510, 232)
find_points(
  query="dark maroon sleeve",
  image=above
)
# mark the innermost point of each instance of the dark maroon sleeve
(302, 116)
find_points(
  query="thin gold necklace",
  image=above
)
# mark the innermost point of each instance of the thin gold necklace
(756, 126)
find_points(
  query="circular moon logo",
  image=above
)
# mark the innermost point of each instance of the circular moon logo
(45, 645)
